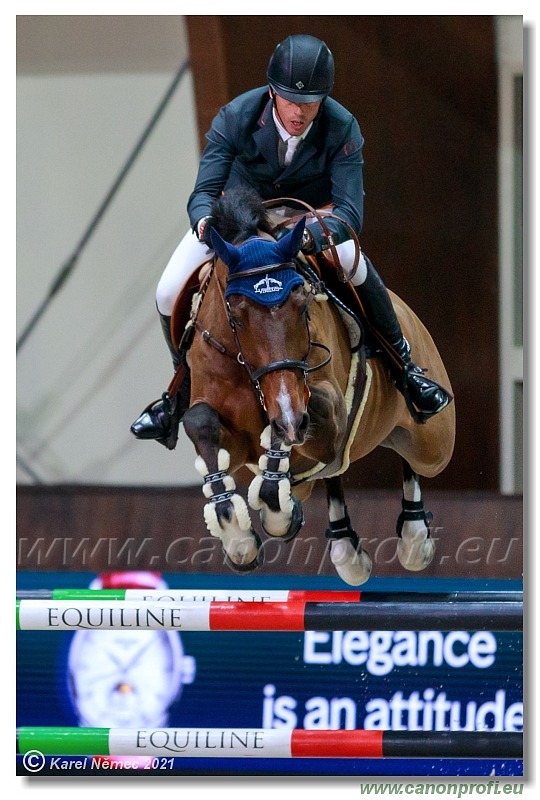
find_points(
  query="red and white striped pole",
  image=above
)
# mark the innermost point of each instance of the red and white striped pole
(388, 614)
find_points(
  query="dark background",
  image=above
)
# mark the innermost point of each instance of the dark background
(424, 90)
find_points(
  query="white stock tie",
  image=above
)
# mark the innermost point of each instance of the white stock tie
(292, 144)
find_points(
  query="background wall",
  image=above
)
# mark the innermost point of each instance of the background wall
(425, 91)
(87, 88)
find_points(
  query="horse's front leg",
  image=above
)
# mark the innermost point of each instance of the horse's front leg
(352, 562)
(415, 547)
(226, 514)
(270, 493)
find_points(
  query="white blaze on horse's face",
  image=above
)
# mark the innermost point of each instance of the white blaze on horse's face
(267, 335)
(286, 407)
(287, 413)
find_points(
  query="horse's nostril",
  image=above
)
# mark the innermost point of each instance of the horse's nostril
(279, 429)
(291, 433)
(302, 428)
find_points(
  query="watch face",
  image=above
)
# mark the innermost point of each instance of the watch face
(126, 678)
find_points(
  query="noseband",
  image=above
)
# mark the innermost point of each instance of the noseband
(286, 363)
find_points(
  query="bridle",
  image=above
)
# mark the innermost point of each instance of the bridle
(255, 375)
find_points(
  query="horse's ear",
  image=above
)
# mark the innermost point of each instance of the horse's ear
(290, 244)
(229, 254)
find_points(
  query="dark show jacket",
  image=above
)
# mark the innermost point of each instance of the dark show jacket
(242, 148)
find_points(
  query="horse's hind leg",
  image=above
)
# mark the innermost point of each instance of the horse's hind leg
(351, 561)
(226, 514)
(415, 548)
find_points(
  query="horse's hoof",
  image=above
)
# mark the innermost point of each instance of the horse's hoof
(415, 556)
(296, 524)
(353, 565)
(242, 569)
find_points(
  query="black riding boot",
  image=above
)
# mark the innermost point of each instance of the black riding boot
(160, 420)
(424, 397)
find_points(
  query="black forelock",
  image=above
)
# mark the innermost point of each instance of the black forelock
(240, 213)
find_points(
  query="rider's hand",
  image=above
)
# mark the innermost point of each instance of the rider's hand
(203, 231)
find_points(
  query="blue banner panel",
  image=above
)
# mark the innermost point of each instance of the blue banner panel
(378, 680)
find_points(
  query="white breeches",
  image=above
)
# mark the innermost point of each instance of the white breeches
(188, 256)
(191, 254)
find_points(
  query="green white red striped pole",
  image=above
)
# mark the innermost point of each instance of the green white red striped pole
(190, 595)
(269, 595)
(269, 743)
(421, 615)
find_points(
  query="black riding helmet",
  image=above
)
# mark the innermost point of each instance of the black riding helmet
(301, 69)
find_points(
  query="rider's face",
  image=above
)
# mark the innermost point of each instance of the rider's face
(295, 117)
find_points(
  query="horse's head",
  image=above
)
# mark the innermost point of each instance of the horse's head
(267, 307)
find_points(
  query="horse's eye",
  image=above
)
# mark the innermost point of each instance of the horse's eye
(235, 317)
(236, 321)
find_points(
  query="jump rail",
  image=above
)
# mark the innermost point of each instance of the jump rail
(268, 595)
(188, 595)
(268, 743)
(402, 612)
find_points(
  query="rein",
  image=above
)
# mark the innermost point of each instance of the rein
(318, 215)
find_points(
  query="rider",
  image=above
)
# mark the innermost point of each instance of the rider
(286, 139)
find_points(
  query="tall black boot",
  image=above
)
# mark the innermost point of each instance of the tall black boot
(160, 420)
(424, 397)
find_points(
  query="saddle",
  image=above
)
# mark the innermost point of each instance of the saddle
(184, 302)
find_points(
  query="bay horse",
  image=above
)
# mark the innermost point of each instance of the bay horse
(281, 384)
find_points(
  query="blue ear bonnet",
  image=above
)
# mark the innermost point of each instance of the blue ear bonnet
(269, 289)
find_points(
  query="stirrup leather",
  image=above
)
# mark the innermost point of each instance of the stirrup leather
(171, 409)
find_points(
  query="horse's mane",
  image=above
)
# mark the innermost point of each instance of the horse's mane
(240, 213)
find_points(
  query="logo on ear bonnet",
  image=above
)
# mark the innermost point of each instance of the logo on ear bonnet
(267, 285)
